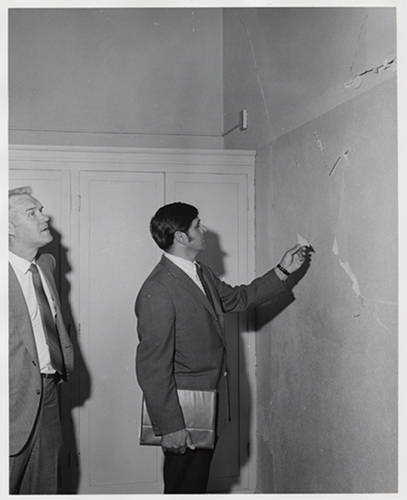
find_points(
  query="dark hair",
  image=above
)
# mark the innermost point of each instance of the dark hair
(170, 218)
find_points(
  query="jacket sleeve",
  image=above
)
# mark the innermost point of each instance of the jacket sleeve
(240, 297)
(154, 358)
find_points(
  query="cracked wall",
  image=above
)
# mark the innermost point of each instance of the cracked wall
(332, 400)
(325, 171)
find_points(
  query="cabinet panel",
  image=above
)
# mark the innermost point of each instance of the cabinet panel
(116, 254)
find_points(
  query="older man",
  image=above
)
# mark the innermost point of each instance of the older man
(40, 351)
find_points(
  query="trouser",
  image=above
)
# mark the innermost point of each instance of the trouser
(187, 473)
(35, 469)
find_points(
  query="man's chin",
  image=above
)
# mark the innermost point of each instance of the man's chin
(46, 236)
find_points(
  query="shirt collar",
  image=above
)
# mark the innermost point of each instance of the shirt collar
(22, 265)
(184, 264)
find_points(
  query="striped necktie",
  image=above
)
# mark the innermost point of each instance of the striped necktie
(50, 329)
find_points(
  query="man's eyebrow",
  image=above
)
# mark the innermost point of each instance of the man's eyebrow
(32, 208)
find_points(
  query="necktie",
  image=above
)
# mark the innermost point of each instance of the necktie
(204, 284)
(50, 329)
(222, 335)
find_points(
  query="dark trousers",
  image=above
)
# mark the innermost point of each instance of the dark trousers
(35, 469)
(187, 473)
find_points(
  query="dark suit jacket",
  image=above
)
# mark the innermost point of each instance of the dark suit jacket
(181, 335)
(25, 388)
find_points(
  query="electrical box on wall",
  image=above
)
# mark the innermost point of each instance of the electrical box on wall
(243, 119)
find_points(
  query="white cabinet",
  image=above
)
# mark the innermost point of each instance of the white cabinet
(116, 254)
(101, 202)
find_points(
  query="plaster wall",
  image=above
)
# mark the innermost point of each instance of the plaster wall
(116, 77)
(320, 89)
(326, 168)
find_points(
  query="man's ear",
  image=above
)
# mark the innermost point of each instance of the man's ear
(179, 237)
(11, 229)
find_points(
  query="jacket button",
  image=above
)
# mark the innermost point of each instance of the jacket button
(225, 373)
(38, 392)
(34, 363)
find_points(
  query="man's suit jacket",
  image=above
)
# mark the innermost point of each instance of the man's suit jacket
(181, 334)
(25, 387)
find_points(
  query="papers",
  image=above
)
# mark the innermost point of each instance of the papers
(302, 241)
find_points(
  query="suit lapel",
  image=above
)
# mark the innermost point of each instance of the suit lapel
(214, 295)
(187, 283)
(19, 313)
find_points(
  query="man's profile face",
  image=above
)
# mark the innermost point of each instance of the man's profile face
(196, 235)
(28, 225)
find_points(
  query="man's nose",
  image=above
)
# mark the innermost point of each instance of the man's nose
(45, 217)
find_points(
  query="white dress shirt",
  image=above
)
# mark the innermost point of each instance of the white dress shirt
(188, 267)
(21, 268)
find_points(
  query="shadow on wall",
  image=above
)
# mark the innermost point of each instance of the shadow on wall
(264, 315)
(213, 254)
(269, 310)
(233, 449)
(77, 390)
(228, 458)
(232, 452)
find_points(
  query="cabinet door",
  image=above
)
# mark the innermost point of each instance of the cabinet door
(116, 254)
(223, 204)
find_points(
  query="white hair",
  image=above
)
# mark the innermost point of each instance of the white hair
(19, 191)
